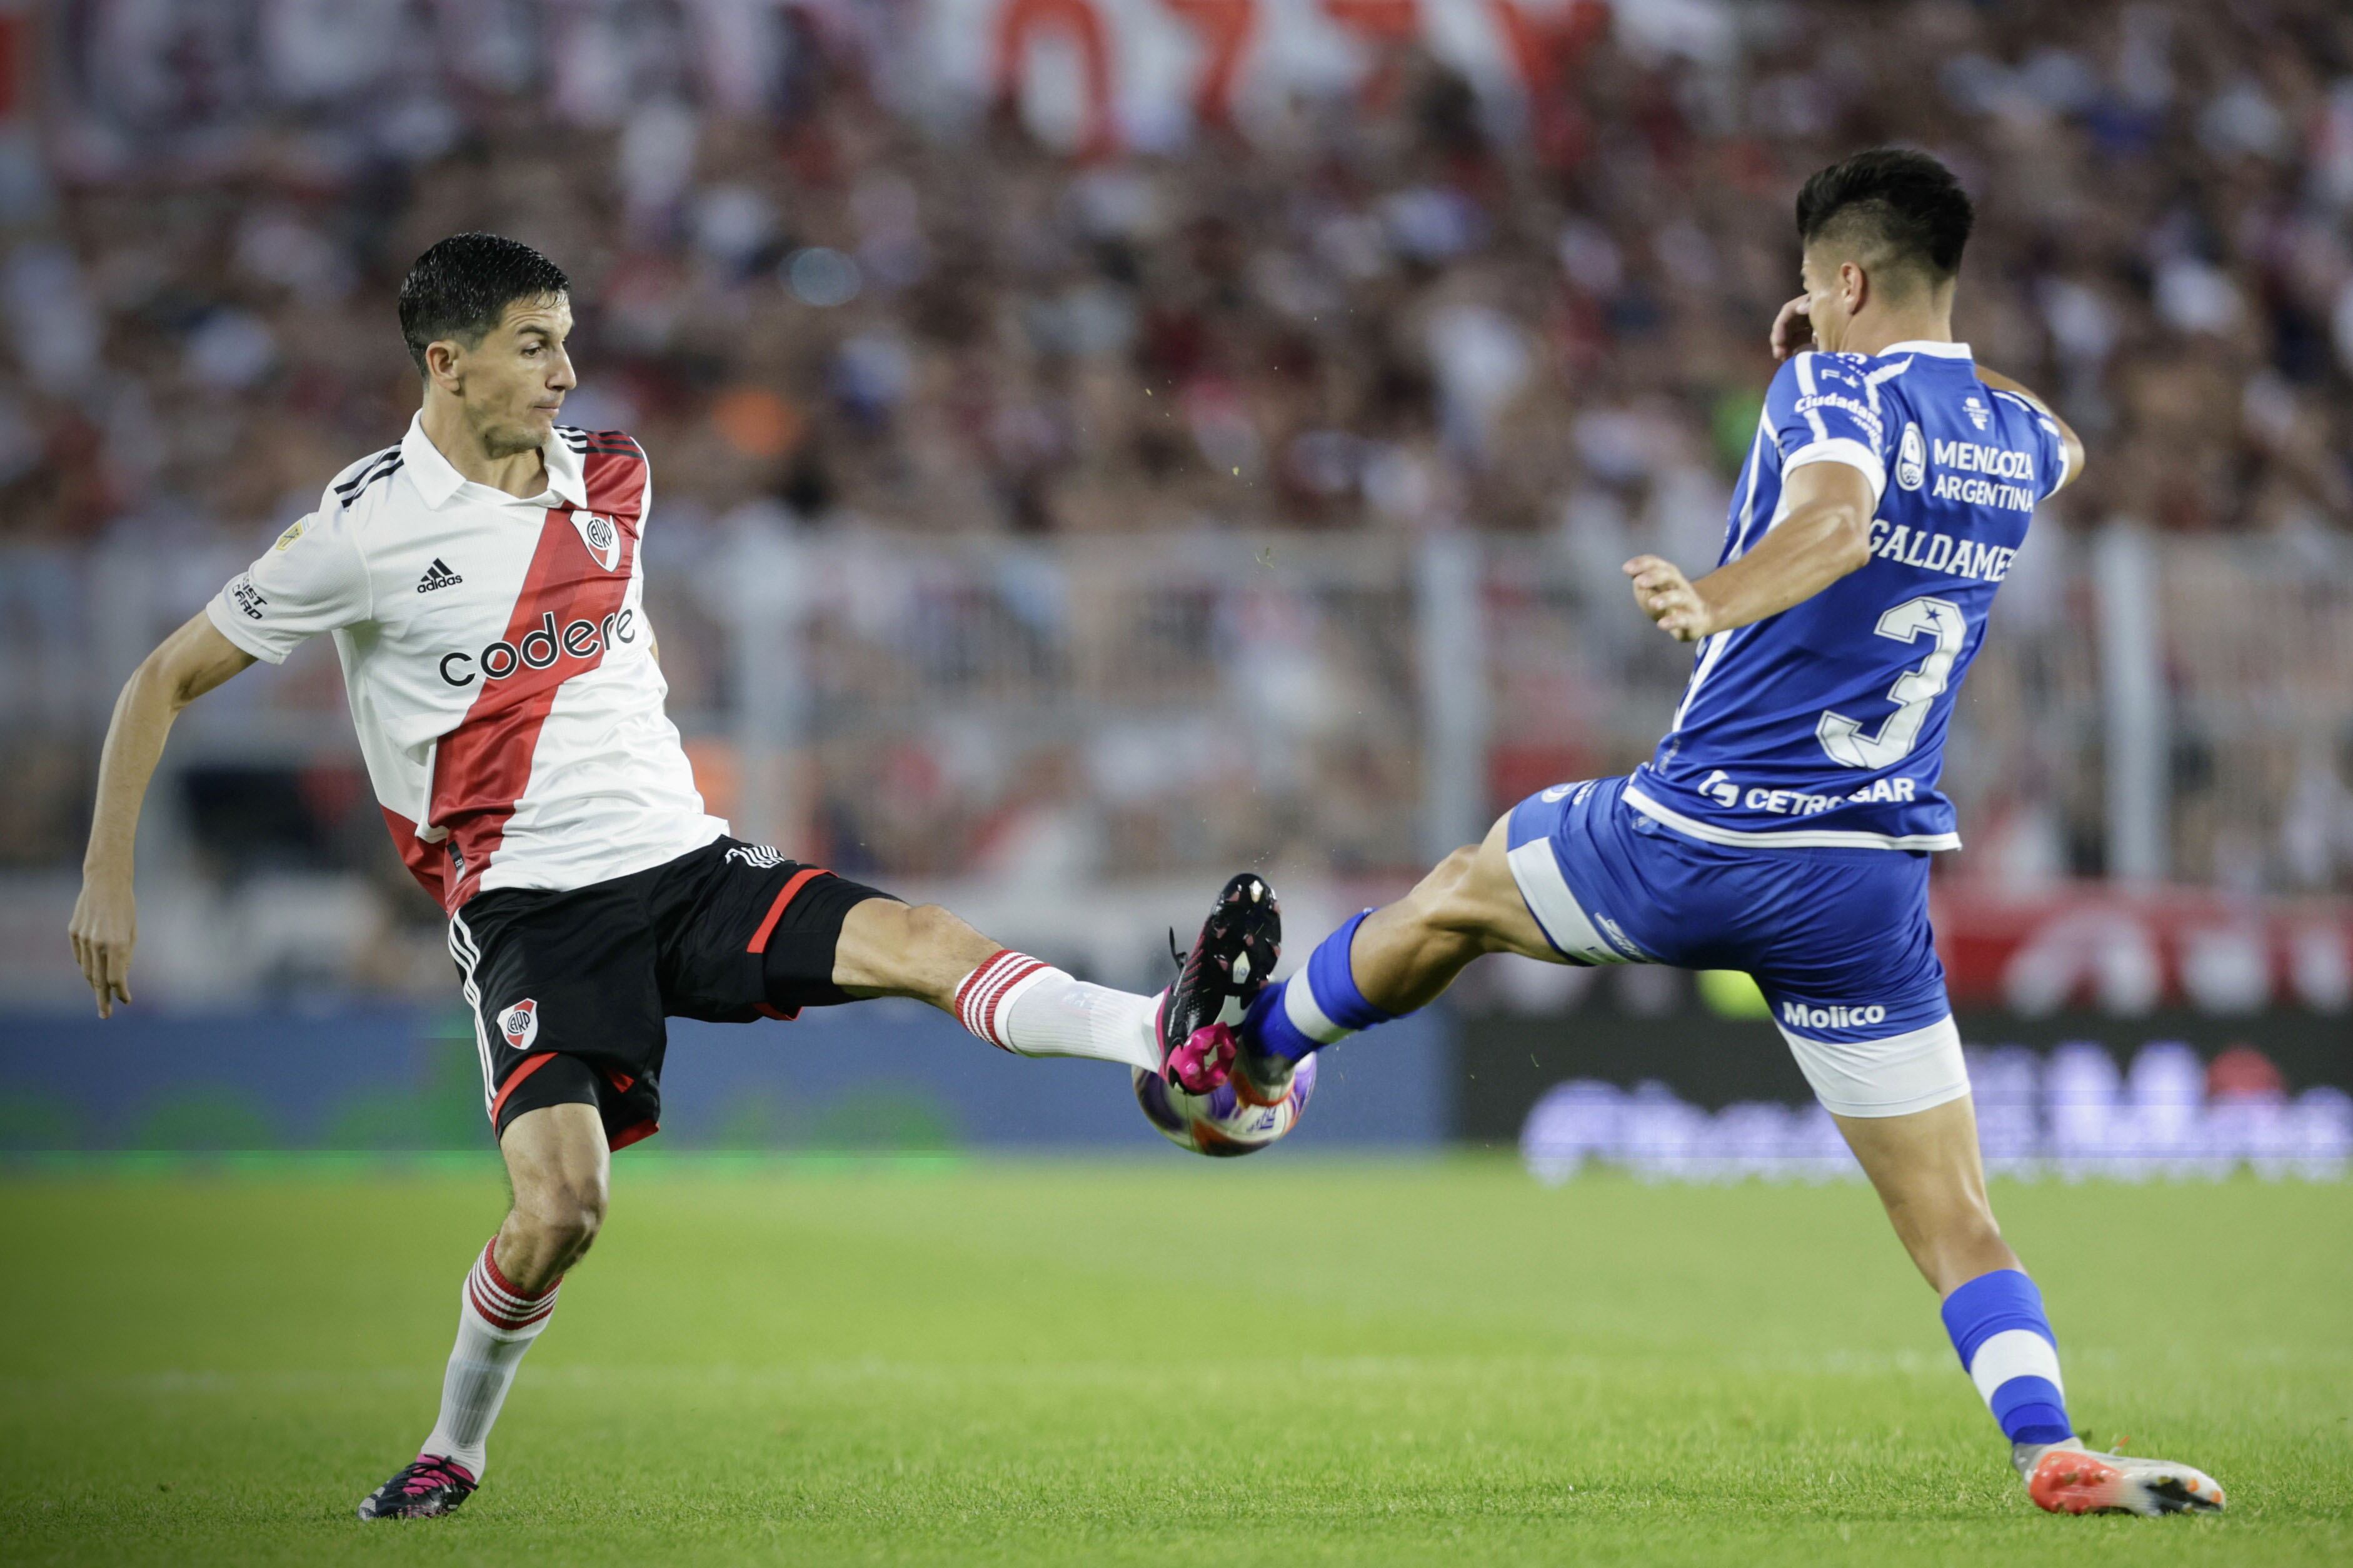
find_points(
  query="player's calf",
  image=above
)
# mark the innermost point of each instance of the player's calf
(1926, 1168)
(1385, 962)
(924, 951)
(1015, 1002)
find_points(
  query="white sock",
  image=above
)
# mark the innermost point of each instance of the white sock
(496, 1323)
(1028, 1006)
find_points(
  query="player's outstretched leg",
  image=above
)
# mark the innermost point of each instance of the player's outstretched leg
(1926, 1169)
(1385, 962)
(559, 1164)
(1024, 1005)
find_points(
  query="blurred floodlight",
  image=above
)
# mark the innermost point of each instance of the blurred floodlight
(1731, 994)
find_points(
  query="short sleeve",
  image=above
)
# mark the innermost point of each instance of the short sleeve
(2050, 445)
(1823, 409)
(312, 579)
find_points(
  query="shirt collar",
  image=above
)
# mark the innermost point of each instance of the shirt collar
(1922, 346)
(438, 481)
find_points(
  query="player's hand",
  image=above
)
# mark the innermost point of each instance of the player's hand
(1666, 595)
(1793, 328)
(104, 930)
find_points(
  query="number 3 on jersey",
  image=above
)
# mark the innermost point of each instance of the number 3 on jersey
(1914, 690)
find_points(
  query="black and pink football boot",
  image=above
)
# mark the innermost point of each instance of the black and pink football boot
(1233, 960)
(428, 1489)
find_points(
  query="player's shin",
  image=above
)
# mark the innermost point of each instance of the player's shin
(496, 1324)
(2004, 1340)
(1028, 1006)
(1320, 1005)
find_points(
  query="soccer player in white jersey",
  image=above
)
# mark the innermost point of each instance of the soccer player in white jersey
(481, 582)
(1784, 826)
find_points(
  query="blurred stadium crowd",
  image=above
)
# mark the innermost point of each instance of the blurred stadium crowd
(1392, 313)
(832, 300)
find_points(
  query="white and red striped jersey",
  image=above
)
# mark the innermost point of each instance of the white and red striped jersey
(498, 661)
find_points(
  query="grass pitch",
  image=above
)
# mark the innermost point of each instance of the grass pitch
(1353, 1362)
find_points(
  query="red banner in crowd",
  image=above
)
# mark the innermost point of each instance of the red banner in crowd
(1101, 74)
(1089, 76)
(2123, 950)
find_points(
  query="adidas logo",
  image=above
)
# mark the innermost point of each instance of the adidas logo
(437, 576)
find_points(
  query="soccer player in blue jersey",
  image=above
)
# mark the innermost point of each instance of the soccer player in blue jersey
(1784, 826)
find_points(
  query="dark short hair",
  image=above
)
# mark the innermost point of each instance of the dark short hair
(461, 288)
(1900, 208)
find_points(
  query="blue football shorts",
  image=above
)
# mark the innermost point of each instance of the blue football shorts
(1837, 939)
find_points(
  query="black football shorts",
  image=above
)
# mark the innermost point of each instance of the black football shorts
(569, 990)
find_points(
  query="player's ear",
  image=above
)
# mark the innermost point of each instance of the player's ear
(443, 357)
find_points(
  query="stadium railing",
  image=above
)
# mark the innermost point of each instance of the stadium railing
(996, 716)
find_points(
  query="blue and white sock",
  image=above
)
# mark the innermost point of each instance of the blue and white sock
(1318, 1006)
(2005, 1341)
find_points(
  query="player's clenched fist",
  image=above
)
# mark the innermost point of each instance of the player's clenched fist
(104, 930)
(1666, 595)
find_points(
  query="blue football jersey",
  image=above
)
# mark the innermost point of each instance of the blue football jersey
(1824, 726)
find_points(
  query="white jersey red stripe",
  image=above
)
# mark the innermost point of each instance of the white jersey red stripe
(497, 659)
(484, 766)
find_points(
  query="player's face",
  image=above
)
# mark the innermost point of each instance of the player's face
(1825, 288)
(515, 380)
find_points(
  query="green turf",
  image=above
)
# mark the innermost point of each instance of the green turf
(1404, 1362)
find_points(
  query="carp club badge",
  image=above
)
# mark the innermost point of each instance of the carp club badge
(601, 535)
(520, 1024)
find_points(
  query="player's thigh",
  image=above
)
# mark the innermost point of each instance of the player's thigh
(746, 933)
(1926, 1168)
(566, 1008)
(559, 1164)
(1581, 885)
(1843, 953)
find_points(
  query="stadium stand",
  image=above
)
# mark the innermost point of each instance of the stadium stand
(1005, 408)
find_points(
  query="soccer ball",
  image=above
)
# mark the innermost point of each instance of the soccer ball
(1220, 1124)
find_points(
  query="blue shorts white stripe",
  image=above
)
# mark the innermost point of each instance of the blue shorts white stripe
(1837, 939)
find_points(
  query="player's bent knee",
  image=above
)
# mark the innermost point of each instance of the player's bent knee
(562, 1218)
(559, 1197)
(1441, 897)
(884, 937)
(932, 928)
(1470, 897)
